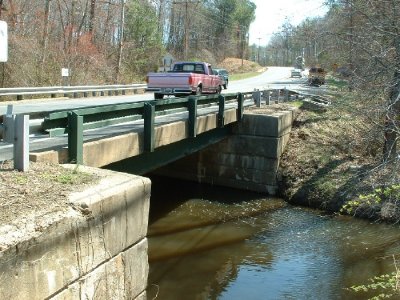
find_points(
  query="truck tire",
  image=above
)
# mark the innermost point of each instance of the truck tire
(198, 91)
(226, 85)
(219, 89)
(158, 96)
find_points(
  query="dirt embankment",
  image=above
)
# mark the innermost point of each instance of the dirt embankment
(237, 66)
(329, 164)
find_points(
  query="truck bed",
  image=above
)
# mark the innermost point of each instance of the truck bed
(187, 78)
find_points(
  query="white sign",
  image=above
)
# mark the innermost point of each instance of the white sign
(3, 42)
(167, 60)
(64, 72)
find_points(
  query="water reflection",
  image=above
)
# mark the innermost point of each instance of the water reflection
(216, 243)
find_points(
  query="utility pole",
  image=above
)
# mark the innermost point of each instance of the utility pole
(121, 39)
(2, 63)
(186, 26)
(186, 29)
(258, 51)
(243, 39)
(185, 51)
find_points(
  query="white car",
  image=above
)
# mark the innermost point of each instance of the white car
(295, 73)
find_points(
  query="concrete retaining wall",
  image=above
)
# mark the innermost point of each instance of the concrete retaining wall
(96, 250)
(249, 159)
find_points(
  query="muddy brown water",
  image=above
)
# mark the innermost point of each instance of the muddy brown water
(208, 242)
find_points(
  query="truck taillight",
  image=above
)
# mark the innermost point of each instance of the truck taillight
(190, 80)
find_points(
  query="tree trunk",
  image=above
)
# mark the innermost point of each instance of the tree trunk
(91, 19)
(392, 122)
(121, 40)
(45, 38)
(392, 119)
(161, 22)
(1, 7)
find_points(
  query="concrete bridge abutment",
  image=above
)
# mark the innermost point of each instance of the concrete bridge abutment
(95, 250)
(248, 159)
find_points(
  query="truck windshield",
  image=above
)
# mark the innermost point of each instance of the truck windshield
(196, 68)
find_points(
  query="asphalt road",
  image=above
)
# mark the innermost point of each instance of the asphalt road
(274, 77)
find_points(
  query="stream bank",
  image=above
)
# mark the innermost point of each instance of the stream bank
(333, 162)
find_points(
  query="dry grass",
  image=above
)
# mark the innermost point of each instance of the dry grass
(335, 156)
(41, 190)
(237, 65)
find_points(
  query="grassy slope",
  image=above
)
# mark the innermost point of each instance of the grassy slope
(333, 157)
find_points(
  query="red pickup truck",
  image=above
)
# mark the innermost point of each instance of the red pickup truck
(185, 78)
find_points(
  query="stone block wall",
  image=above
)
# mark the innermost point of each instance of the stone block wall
(96, 250)
(249, 159)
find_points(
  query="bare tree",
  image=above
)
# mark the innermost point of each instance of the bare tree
(121, 39)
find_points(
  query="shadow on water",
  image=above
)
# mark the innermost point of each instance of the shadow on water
(200, 205)
(207, 242)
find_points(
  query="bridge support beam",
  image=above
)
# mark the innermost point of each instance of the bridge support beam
(75, 138)
(192, 116)
(221, 111)
(149, 117)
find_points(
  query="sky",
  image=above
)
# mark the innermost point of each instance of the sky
(271, 14)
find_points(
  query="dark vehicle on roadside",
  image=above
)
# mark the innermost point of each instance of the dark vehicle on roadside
(224, 75)
(316, 76)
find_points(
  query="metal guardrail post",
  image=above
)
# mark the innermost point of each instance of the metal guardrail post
(240, 108)
(75, 137)
(221, 111)
(8, 128)
(149, 118)
(286, 95)
(257, 98)
(192, 116)
(267, 97)
(21, 143)
(9, 125)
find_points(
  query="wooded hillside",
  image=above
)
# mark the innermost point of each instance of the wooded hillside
(358, 40)
(109, 41)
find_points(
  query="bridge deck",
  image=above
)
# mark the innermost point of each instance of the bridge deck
(42, 142)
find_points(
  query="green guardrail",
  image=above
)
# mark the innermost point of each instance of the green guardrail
(74, 122)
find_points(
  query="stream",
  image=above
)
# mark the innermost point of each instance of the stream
(208, 242)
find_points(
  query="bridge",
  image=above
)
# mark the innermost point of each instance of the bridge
(150, 133)
(228, 139)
